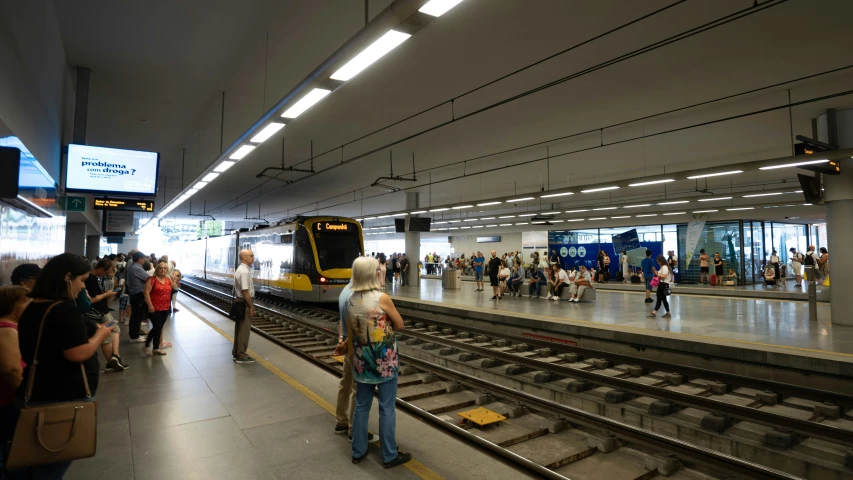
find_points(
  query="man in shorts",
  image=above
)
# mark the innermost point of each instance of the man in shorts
(494, 270)
(478, 262)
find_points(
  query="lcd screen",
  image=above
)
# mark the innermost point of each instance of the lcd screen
(111, 170)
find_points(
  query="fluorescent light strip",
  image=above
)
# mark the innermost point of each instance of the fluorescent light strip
(491, 225)
(705, 211)
(487, 218)
(460, 207)
(454, 221)
(556, 195)
(487, 204)
(550, 213)
(478, 226)
(741, 208)
(675, 213)
(575, 220)
(507, 216)
(556, 221)
(419, 211)
(637, 206)
(763, 194)
(674, 202)
(453, 228)
(541, 222)
(648, 215)
(370, 218)
(795, 164)
(519, 199)
(463, 228)
(200, 185)
(438, 223)
(267, 132)
(733, 172)
(653, 182)
(33, 205)
(471, 220)
(623, 216)
(528, 215)
(306, 102)
(522, 223)
(439, 209)
(576, 211)
(374, 52)
(714, 199)
(602, 189)
(209, 177)
(603, 208)
(599, 218)
(225, 165)
(437, 8)
(506, 224)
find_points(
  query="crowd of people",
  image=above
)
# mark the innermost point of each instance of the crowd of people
(58, 317)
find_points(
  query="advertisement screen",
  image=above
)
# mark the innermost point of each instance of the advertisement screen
(100, 169)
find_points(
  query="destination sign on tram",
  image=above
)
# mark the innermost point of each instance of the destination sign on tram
(333, 227)
(106, 203)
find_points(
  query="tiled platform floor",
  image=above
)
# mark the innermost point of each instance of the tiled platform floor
(777, 323)
(194, 414)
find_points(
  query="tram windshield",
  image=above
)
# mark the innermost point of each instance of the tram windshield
(337, 244)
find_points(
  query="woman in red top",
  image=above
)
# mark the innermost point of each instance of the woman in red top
(13, 301)
(158, 296)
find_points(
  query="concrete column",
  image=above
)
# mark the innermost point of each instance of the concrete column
(75, 238)
(839, 221)
(93, 246)
(413, 243)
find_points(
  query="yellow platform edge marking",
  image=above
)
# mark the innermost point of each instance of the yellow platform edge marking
(617, 327)
(413, 465)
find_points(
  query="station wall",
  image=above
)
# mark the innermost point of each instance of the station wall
(468, 243)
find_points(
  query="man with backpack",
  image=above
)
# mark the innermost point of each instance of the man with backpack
(811, 261)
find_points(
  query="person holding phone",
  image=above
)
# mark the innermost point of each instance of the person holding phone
(99, 302)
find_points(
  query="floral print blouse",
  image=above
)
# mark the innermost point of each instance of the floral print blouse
(374, 343)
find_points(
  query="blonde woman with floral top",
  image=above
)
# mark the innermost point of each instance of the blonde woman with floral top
(372, 323)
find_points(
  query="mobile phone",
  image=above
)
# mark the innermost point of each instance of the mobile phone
(111, 324)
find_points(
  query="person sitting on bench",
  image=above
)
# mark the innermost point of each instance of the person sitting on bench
(581, 283)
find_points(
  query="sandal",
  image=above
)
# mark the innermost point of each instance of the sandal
(159, 352)
(166, 345)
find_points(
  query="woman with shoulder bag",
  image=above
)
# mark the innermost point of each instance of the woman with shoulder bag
(664, 276)
(158, 297)
(53, 331)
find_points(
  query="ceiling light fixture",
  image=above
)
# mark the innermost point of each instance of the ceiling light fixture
(478, 226)
(439, 209)
(491, 225)
(550, 213)
(623, 216)
(648, 215)
(225, 165)
(374, 52)
(507, 216)
(637, 206)
(438, 223)
(795, 164)
(419, 211)
(199, 185)
(460, 207)
(471, 220)
(602, 189)
(603, 208)
(675, 213)
(487, 204)
(241, 152)
(306, 102)
(267, 132)
(487, 218)
(653, 182)
(733, 172)
(714, 199)
(527, 215)
(454, 221)
(209, 177)
(506, 224)
(522, 223)
(556, 195)
(763, 194)
(741, 208)
(576, 211)
(519, 200)
(437, 8)
(599, 218)
(575, 220)
(705, 211)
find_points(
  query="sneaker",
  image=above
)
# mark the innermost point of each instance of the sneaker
(115, 365)
(649, 300)
(371, 437)
(548, 297)
(141, 339)
(556, 299)
(401, 459)
(340, 430)
(246, 359)
(494, 298)
(667, 314)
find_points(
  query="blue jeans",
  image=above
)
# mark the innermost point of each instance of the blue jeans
(387, 419)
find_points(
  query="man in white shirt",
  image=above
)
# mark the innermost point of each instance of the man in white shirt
(797, 265)
(562, 280)
(244, 291)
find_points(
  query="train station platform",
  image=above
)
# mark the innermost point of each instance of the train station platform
(741, 331)
(194, 414)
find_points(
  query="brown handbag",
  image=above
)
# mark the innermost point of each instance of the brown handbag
(54, 432)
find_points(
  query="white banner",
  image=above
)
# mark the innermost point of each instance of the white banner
(694, 233)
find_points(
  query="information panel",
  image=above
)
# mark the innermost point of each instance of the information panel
(106, 203)
(111, 170)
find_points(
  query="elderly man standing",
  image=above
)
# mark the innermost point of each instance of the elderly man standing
(244, 291)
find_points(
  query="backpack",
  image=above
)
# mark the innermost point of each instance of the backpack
(809, 259)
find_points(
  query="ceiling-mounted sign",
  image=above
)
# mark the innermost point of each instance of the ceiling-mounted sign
(488, 239)
(107, 203)
(118, 221)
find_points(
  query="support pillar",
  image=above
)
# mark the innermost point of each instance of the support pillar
(93, 246)
(839, 219)
(75, 238)
(413, 243)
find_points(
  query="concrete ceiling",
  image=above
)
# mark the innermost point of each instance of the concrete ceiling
(169, 63)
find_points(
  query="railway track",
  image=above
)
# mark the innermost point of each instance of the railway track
(549, 437)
